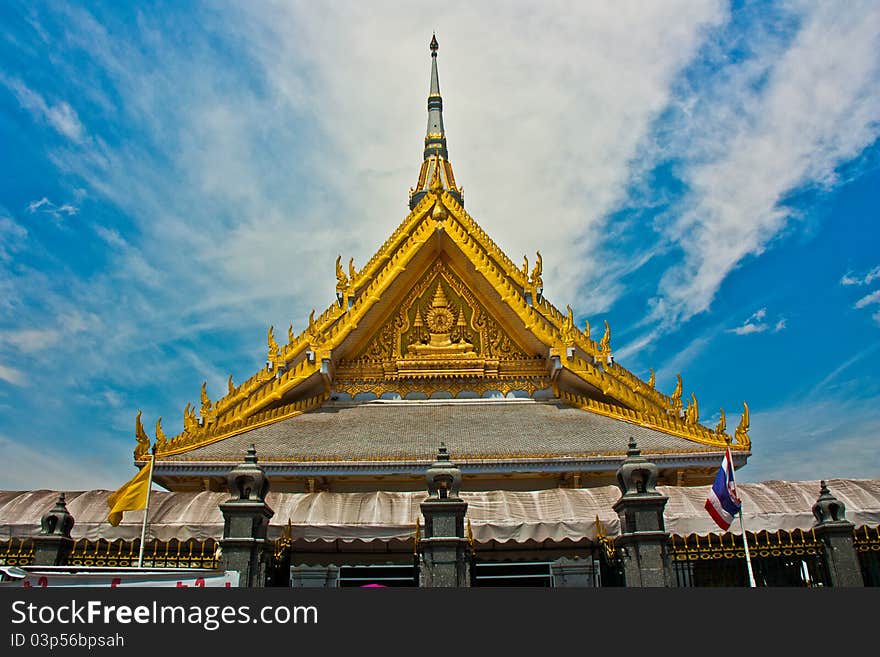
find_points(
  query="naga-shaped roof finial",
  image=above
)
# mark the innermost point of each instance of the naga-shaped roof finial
(273, 346)
(341, 278)
(721, 427)
(161, 438)
(742, 430)
(143, 441)
(605, 342)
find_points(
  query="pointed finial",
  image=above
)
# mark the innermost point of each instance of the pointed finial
(143, 441)
(692, 413)
(273, 346)
(742, 430)
(206, 401)
(537, 270)
(828, 509)
(605, 342)
(435, 155)
(161, 439)
(636, 475)
(632, 447)
(58, 521)
(721, 427)
(341, 278)
(248, 481)
(653, 378)
(676, 394)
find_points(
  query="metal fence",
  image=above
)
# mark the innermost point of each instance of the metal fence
(779, 558)
(192, 553)
(866, 542)
(17, 552)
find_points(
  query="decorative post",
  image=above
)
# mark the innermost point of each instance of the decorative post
(246, 522)
(836, 533)
(53, 543)
(444, 550)
(643, 538)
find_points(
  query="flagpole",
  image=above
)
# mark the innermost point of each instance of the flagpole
(741, 524)
(147, 510)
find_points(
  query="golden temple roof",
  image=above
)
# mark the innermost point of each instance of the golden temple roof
(439, 308)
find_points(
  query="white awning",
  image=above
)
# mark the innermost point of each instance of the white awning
(555, 515)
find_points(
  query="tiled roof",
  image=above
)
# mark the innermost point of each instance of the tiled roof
(411, 430)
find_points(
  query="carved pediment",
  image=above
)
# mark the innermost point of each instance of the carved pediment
(439, 330)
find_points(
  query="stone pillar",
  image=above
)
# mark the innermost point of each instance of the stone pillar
(246, 522)
(836, 533)
(573, 573)
(53, 544)
(643, 539)
(444, 551)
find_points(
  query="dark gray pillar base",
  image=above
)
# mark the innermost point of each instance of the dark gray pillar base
(841, 560)
(445, 562)
(52, 550)
(645, 558)
(244, 546)
(248, 556)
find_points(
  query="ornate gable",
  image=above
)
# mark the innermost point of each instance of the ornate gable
(441, 337)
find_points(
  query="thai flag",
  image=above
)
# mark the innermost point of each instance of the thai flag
(723, 504)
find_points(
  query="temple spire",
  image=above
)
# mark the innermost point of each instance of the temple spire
(435, 137)
(435, 155)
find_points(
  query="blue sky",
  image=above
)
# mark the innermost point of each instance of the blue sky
(178, 176)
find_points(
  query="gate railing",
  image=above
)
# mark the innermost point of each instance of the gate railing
(192, 553)
(780, 558)
(866, 541)
(17, 552)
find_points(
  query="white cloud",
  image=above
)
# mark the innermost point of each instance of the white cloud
(755, 324)
(850, 279)
(60, 115)
(46, 206)
(12, 375)
(868, 299)
(30, 340)
(747, 329)
(780, 120)
(12, 236)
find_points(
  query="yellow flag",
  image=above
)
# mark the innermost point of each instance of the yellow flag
(131, 497)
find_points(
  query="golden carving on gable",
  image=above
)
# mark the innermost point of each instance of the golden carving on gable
(439, 330)
(452, 386)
